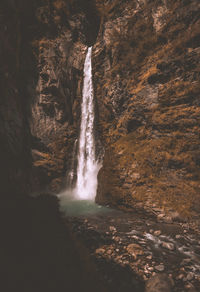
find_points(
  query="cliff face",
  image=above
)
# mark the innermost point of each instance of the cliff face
(146, 75)
(43, 50)
(146, 83)
(56, 106)
(14, 106)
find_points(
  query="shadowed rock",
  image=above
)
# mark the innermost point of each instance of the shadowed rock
(159, 283)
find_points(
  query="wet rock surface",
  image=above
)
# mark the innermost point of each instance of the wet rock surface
(137, 248)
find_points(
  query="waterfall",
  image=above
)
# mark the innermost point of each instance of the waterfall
(88, 166)
(71, 174)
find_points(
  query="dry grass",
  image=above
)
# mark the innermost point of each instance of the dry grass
(105, 8)
(164, 168)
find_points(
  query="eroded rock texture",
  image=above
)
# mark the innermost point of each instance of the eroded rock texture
(56, 108)
(146, 74)
(42, 51)
(146, 82)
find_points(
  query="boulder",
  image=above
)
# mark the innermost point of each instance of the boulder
(159, 283)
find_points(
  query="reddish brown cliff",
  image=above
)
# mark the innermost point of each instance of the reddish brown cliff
(146, 76)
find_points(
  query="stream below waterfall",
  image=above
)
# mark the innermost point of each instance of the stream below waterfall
(128, 248)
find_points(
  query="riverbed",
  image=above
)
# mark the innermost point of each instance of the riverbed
(128, 248)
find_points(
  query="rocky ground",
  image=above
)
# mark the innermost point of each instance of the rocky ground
(129, 248)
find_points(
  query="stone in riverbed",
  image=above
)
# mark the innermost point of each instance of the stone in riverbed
(168, 219)
(134, 250)
(190, 288)
(180, 277)
(109, 252)
(117, 238)
(112, 229)
(157, 232)
(159, 283)
(190, 276)
(160, 268)
(100, 251)
(168, 245)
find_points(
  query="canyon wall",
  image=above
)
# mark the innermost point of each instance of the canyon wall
(42, 51)
(146, 84)
(16, 58)
(56, 108)
(146, 75)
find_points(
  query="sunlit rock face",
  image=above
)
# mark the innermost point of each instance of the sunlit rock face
(146, 81)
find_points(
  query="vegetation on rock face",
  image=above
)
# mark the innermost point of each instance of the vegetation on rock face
(147, 87)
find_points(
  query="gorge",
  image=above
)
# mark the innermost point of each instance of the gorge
(145, 135)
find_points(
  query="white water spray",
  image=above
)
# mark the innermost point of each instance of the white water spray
(88, 167)
(71, 174)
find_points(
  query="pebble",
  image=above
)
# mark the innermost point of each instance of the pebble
(190, 288)
(168, 245)
(185, 262)
(167, 219)
(112, 229)
(160, 216)
(190, 276)
(157, 232)
(134, 249)
(117, 238)
(100, 251)
(151, 269)
(159, 283)
(178, 236)
(180, 277)
(160, 268)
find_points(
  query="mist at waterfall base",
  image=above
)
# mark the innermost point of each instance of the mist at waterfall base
(70, 206)
(80, 199)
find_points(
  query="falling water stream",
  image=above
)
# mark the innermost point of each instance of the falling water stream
(88, 166)
(81, 198)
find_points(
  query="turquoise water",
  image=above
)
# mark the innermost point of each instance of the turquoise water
(72, 207)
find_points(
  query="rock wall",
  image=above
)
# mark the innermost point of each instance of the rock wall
(56, 107)
(42, 52)
(146, 82)
(146, 75)
(15, 157)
